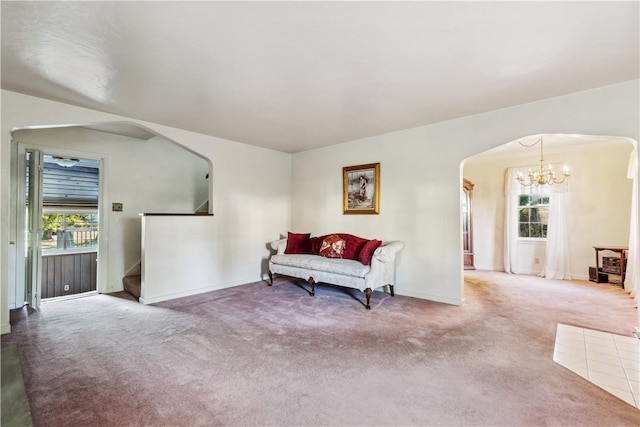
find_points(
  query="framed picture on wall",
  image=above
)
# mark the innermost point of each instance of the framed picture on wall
(361, 189)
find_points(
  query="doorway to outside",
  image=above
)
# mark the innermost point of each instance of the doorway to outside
(61, 227)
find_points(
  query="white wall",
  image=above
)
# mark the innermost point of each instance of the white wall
(598, 210)
(250, 189)
(421, 179)
(153, 175)
(176, 260)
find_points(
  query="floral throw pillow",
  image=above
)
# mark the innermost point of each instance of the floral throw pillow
(332, 247)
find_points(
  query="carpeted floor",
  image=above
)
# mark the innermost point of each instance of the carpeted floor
(14, 408)
(258, 355)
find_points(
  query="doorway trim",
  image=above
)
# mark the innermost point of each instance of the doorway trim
(21, 148)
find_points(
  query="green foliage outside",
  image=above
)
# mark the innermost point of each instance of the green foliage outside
(51, 221)
(532, 216)
(54, 223)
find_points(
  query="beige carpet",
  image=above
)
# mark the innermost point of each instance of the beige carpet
(258, 355)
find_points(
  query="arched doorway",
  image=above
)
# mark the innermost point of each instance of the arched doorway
(598, 180)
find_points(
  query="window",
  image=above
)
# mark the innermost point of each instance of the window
(64, 231)
(533, 215)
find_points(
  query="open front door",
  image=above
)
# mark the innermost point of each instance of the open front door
(34, 228)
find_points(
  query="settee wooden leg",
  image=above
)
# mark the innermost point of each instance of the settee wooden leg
(313, 286)
(270, 278)
(367, 293)
(391, 290)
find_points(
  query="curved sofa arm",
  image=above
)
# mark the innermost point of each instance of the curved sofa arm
(383, 265)
(279, 245)
(388, 252)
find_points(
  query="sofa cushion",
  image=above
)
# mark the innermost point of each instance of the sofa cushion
(345, 267)
(353, 245)
(297, 243)
(315, 243)
(332, 247)
(367, 251)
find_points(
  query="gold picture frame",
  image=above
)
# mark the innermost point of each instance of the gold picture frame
(361, 189)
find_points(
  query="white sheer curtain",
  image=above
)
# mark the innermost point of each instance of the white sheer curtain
(557, 261)
(633, 261)
(511, 192)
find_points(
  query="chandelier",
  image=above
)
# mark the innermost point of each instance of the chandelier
(544, 175)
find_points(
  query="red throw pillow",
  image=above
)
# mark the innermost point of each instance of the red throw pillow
(353, 245)
(332, 247)
(297, 243)
(316, 244)
(367, 251)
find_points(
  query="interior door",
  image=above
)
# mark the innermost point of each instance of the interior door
(34, 228)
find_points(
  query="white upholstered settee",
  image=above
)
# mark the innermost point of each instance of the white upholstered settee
(361, 270)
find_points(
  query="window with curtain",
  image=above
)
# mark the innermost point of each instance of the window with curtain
(539, 213)
(533, 216)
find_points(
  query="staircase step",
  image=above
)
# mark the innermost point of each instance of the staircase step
(133, 285)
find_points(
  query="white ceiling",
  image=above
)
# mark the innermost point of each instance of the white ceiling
(293, 76)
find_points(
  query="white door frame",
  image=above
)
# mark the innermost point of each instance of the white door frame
(33, 265)
(20, 267)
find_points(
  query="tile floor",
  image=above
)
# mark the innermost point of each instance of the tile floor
(612, 362)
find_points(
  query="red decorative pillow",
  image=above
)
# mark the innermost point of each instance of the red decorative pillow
(353, 245)
(332, 247)
(297, 243)
(315, 244)
(367, 251)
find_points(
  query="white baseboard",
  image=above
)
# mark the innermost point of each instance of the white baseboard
(530, 273)
(430, 297)
(194, 291)
(487, 267)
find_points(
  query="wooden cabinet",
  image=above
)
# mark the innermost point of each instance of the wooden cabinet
(609, 269)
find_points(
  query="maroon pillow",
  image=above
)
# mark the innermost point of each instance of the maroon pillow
(315, 244)
(353, 245)
(332, 247)
(297, 243)
(367, 251)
